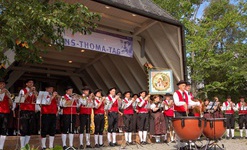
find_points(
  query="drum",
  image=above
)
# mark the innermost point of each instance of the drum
(215, 128)
(188, 128)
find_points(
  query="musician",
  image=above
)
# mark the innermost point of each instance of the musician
(49, 115)
(128, 112)
(191, 99)
(206, 111)
(217, 110)
(27, 112)
(5, 106)
(99, 119)
(241, 107)
(69, 104)
(135, 96)
(229, 108)
(85, 116)
(182, 101)
(168, 114)
(143, 116)
(113, 111)
(157, 120)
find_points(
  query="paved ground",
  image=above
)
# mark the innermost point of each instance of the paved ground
(232, 144)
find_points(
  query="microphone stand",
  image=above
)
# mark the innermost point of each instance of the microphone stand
(18, 124)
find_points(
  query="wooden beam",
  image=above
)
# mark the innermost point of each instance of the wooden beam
(50, 67)
(73, 51)
(174, 45)
(13, 77)
(91, 62)
(42, 71)
(77, 81)
(163, 54)
(145, 26)
(61, 63)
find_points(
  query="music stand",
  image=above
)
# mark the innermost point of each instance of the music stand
(213, 144)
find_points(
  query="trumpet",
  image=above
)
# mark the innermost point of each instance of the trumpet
(10, 96)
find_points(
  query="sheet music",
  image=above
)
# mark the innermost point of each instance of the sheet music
(19, 99)
(42, 98)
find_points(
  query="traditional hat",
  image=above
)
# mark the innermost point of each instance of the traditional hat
(228, 97)
(68, 87)
(143, 91)
(47, 85)
(29, 80)
(126, 92)
(241, 96)
(188, 83)
(168, 94)
(96, 91)
(111, 89)
(85, 88)
(2, 80)
(181, 82)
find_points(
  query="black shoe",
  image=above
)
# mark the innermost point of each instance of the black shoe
(115, 144)
(65, 147)
(101, 145)
(89, 146)
(174, 141)
(245, 137)
(97, 146)
(111, 144)
(43, 148)
(143, 143)
(131, 143)
(233, 138)
(81, 147)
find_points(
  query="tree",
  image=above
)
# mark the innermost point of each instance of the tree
(216, 44)
(28, 27)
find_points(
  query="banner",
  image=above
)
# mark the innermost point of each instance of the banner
(101, 41)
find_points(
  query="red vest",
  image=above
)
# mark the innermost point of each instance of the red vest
(4, 105)
(241, 112)
(114, 107)
(99, 110)
(229, 111)
(181, 108)
(50, 109)
(27, 105)
(142, 109)
(129, 110)
(69, 110)
(169, 112)
(85, 110)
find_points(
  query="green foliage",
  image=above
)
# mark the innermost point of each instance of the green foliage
(216, 44)
(40, 24)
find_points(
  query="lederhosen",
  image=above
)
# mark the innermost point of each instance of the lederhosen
(4, 112)
(68, 122)
(27, 115)
(242, 117)
(230, 120)
(143, 116)
(99, 119)
(168, 114)
(49, 118)
(128, 117)
(157, 122)
(85, 118)
(180, 110)
(113, 116)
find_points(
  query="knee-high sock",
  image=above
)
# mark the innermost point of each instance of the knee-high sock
(241, 132)
(228, 132)
(64, 137)
(71, 139)
(145, 136)
(114, 137)
(232, 132)
(22, 141)
(43, 141)
(165, 136)
(140, 136)
(130, 137)
(101, 139)
(51, 141)
(96, 139)
(27, 139)
(109, 137)
(2, 140)
(88, 138)
(81, 139)
(126, 134)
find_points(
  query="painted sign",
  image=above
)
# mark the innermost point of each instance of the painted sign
(101, 41)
